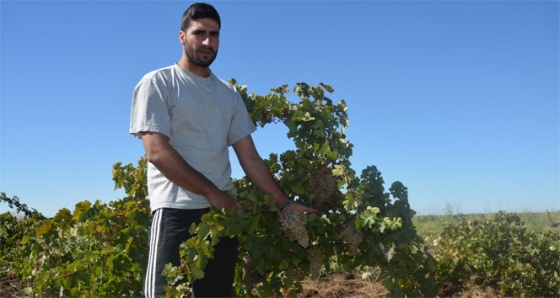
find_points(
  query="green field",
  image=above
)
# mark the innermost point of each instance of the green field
(430, 227)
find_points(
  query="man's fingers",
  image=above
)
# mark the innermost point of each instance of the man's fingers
(301, 208)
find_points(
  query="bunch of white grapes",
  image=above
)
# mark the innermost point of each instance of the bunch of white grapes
(352, 238)
(315, 257)
(293, 225)
(324, 185)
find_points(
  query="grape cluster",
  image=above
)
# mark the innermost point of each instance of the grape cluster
(315, 257)
(352, 238)
(324, 186)
(293, 226)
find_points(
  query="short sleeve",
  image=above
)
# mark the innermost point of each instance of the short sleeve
(150, 109)
(241, 123)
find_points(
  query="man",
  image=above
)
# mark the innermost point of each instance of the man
(187, 118)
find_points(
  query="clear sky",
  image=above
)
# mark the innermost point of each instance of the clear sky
(459, 100)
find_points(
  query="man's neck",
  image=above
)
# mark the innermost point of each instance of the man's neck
(184, 63)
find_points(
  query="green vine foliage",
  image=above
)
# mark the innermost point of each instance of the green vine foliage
(100, 250)
(14, 203)
(317, 173)
(500, 253)
(12, 229)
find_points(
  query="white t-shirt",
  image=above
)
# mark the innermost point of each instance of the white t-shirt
(201, 116)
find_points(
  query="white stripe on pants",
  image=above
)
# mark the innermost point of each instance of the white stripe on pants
(149, 283)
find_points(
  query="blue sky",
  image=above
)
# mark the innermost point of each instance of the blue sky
(459, 100)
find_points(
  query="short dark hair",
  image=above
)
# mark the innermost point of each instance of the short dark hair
(199, 11)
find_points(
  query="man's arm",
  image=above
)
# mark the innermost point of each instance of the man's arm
(259, 174)
(160, 153)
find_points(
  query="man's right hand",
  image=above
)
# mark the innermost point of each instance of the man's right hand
(222, 200)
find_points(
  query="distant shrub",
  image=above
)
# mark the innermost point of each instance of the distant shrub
(499, 253)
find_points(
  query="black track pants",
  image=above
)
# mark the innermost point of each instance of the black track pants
(170, 228)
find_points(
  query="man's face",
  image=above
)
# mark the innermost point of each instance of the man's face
(201, 41)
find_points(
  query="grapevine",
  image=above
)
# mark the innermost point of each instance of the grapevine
(358, 223)
(101, 249)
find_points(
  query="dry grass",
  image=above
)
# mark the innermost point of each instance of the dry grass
(342, 285)
(474, 291)
(348, 285)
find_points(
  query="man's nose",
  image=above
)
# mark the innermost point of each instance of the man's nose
(206, 41)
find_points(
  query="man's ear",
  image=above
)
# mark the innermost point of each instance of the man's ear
(182, 37)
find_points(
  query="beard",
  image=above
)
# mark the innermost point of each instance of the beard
(197, 60)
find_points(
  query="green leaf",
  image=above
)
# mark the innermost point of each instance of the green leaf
(25, 239)
(338, 170)
(327, 87)
(203, 230)
(44, 228)
(196, 273)
(325, 149)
